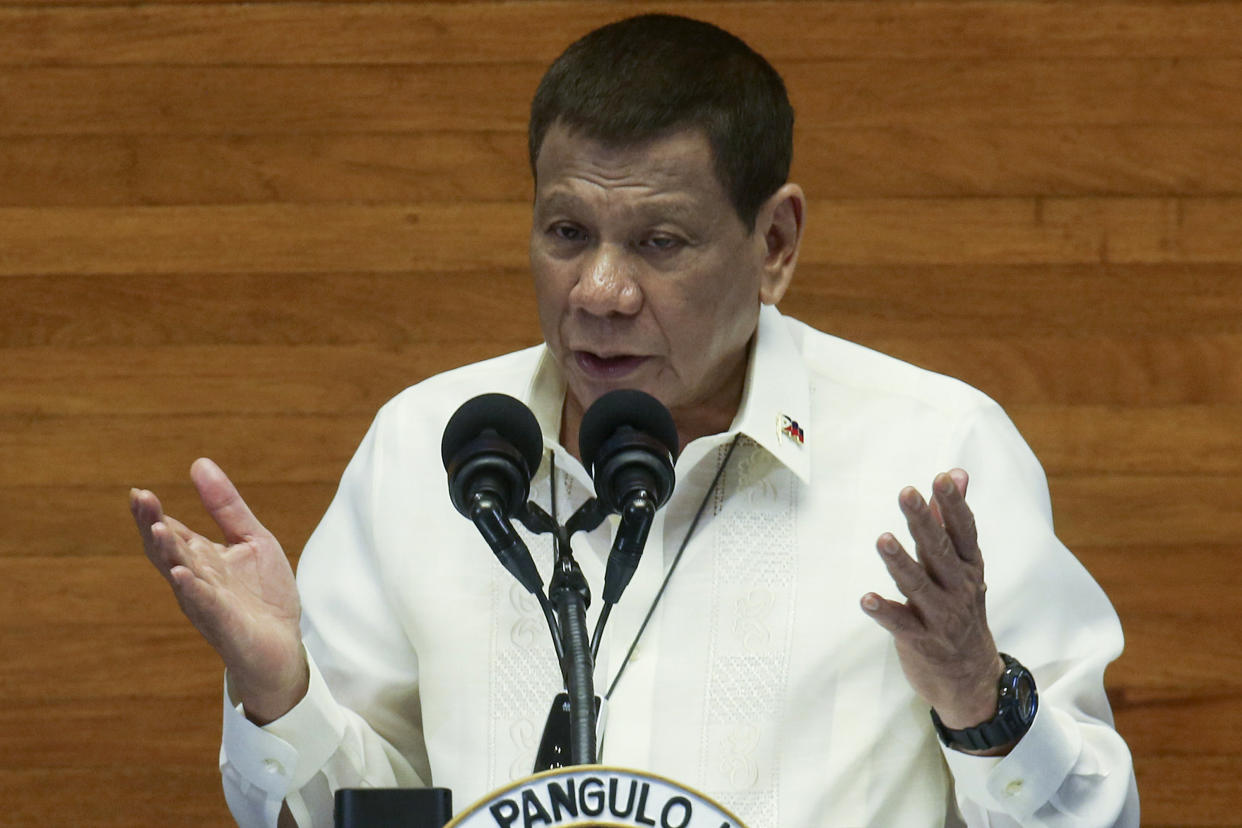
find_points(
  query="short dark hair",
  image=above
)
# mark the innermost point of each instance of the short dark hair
(643, 77)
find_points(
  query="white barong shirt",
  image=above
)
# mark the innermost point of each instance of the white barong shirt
(759, 681)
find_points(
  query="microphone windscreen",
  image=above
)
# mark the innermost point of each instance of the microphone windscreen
(509, 417)
(624, 407)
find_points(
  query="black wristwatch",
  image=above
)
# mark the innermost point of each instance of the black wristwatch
(1015, 711)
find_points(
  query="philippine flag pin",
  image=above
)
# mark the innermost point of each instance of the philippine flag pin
(790, 430)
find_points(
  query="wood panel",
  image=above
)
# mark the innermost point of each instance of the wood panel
(1177, 512)
(103, 33)
(39, 526)
(1165, 509)
(1134, 439)
(1038, 303)
(355, 379)
(438, 238)
(1185, 440)
(194, 100)
(114, 732)
(924, 161)
(115, 796)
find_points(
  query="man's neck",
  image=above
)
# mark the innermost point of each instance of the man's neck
(713, 416)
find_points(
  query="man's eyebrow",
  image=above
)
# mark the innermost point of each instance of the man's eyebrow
(668, 207)
(556, 200)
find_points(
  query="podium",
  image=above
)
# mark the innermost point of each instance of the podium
(581, 796)
(393, 807)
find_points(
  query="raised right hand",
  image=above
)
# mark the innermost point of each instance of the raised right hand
(241, 597)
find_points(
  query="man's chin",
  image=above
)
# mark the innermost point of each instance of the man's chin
(585, 392)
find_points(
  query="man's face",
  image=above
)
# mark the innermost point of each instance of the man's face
(645, 276)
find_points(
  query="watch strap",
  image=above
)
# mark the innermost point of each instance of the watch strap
(1009, 724)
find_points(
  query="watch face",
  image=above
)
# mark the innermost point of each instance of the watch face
(1026, 698)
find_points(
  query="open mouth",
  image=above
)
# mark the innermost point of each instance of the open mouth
(607, 367)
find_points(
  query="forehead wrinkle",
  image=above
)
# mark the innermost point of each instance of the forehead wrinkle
(675, 206)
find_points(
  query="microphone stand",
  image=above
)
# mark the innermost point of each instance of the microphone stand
(570, 595)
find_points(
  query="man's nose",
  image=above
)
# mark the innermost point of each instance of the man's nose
(607, 283)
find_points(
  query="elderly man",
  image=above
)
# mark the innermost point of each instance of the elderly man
(750, 658)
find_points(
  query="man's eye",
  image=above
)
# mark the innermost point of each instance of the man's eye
(662, 243)
(568, 232)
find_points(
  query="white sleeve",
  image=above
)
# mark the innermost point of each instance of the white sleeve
(1072, 768)
(359, 724)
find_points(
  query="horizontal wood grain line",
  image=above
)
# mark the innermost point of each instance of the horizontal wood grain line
(441, 238)
(1189, 582)
(434, 311)
(120, 380)
(73, 521)
(932, 160)
(1134, 439)
(303, 449)
(91, 590)
(1183, 792)
(64, 661)
(256, 239)
(100, 733)
(1061, 301)
(1161, 509)
(1166, 657)
(1170, 648)
(286, 168)
(909, 309)
(124, 795)
(1051, 231)
(198, 100)
(261, 379)
(1184, 572)
(1117, 511)
(1070, 369)
(1154, 722)
(329, 33)
(1204, 441)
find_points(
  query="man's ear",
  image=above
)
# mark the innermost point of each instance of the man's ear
(780, 222)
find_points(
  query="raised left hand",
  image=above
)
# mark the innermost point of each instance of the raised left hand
(941, 630)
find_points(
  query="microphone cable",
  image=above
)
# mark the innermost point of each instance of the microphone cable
(673, 568)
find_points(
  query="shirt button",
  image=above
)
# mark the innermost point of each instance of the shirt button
(1013, 788)
(273, 767)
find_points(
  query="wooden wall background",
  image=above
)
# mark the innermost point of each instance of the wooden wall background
(235, 229)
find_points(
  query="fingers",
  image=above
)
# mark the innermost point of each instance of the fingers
(947, 551)
(892, 616)
(224, 504)
(169, 550)
(949, 492)
(150, 519)
(198, 599)
(961, 478)
(167, 542)
(933, 546)
(146, 509)
(911, 579)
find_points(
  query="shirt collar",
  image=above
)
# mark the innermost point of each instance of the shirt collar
(775, 407)
(776, 400)
(546, 396)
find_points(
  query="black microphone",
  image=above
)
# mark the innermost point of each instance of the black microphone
(491, 448)
(628, 442)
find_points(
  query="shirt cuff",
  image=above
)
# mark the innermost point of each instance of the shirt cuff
(1020, 783)
(284, 754)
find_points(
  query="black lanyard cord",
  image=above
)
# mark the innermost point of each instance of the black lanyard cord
(677, 559)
